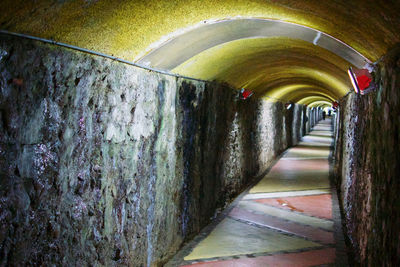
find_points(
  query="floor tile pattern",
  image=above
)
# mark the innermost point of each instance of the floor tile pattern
(286, 219)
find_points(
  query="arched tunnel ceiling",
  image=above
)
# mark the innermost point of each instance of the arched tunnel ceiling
(320, 104)
(310, 100)
(127, 28)
(268, 65)
(281, 63)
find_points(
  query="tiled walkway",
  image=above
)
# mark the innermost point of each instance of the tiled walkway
(289, 218)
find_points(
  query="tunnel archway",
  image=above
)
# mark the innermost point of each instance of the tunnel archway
(164, 25)
(275, 59)
(176, 51)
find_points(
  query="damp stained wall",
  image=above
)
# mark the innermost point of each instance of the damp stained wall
(367, 167)
(104, 163)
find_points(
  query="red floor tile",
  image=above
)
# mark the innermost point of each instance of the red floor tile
(318, 205)
(301, 259)
(291, 227)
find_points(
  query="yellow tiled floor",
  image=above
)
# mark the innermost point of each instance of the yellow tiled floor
(261, 229)
(231, 237)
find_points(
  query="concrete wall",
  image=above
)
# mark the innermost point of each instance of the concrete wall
(103, 163)
(368, 167)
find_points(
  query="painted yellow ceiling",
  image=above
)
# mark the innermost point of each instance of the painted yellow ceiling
(295, 93)
(278, 67)
(127, 28)
(320, 103)
(310, 100)
(271, 66)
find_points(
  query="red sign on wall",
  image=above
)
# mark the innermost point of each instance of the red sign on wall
(361, 80)
(244, 94)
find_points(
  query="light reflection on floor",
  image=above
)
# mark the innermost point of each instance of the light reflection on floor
(284, 220)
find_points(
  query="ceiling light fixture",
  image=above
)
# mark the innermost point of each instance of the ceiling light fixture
(353, 80)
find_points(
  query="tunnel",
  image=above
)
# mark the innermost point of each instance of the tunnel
(204, 133)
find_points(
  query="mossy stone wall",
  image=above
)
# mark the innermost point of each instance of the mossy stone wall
(368, 167)
(103, 163)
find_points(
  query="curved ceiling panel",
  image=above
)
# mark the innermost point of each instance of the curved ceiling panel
(183, 47)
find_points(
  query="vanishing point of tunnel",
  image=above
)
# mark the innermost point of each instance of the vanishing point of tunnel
(199, 133)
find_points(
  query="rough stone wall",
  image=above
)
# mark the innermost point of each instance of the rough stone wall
(368, 167)
(227, 141)
(297, 122)
(103, 163)
(87, 145)
(305, 120)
